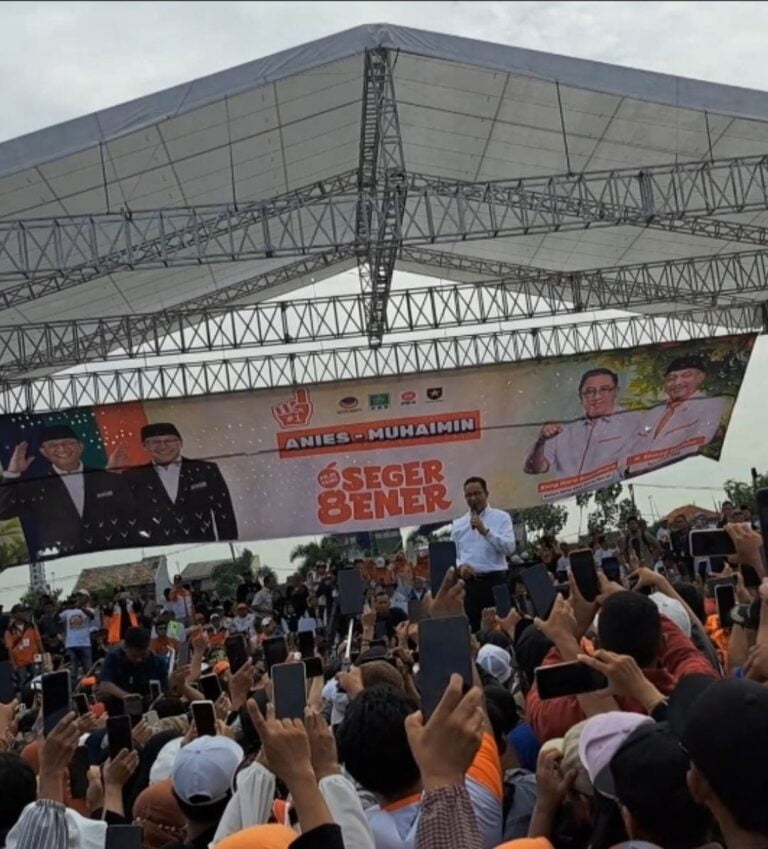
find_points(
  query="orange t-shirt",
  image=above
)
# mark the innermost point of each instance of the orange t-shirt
(23, 644)
(161, 646)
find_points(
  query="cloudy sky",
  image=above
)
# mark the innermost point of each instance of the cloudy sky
(62, 60)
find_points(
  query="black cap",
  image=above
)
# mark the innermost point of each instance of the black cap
(159, 429)
(51, 432)
(649, 774)
(683, 697)
(726, 737)
(19, 608)
(682, 363)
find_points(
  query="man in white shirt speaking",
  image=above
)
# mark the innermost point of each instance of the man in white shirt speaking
(484, 537)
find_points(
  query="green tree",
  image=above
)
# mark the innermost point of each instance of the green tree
(13, 546)
(229, 574)
(546, 519)
(416, 540)
(328, 550)
(32, 598)
(741, 492)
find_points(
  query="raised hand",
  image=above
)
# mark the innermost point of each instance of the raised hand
(550, 431)
(20, 462)
(449, 600)
(118, 459)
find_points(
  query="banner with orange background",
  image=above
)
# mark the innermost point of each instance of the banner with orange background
(366, 455)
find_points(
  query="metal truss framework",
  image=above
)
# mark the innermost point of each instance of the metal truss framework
(515, 293)
(403, 358)
(381, 156)
(45, 255)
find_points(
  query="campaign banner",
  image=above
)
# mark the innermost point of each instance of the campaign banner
(357, 456)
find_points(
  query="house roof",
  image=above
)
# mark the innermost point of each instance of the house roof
(124, 574)
(690, 511)
(468, 111)
(200, 570)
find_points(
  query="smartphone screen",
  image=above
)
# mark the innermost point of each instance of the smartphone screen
(502, 600)
(351, 592)
(584, 573)
(611, 568)
(725, 596)
(236, 652)
(568, 679)
(210, 686)
(306, 643)
(442, 556)
(539, 588)
(119, 735)
(81, 703)
(711, 543)
(762, 512)
(155, 690)
(289, 683)
(314, 667)
(57, 699)
(204, 715)
(7, 687)
(275, 651)
(633, 580)
(183, 656)
(123, 837)
(443, 649)
(415, 611)
(751, 579)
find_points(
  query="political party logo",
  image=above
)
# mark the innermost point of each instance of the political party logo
(294, 413)
(379, 401)
(435, 393)
(407, 398)
(349, 404)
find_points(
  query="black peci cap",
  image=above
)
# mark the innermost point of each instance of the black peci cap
(682, 363)
(51, 432)
(159, 429)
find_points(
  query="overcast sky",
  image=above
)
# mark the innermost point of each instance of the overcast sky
(62, 60)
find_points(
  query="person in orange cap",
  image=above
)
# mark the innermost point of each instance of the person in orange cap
(158, 813)
(260, 837)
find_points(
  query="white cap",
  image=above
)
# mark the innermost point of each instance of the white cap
(673, 610)
(495, 661)
(204, 770)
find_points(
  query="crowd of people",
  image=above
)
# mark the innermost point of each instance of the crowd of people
(666, 749)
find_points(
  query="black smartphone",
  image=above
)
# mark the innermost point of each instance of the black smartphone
(236, 651)
(584, 573)
(289, 685)
(78, 773)
(314, 667)
(155, 690)
(502, 600)
(568, 679)
(415, 611)
(611, 568)
(204, 716)
(751, 578)
(725, 596)
(210, 687)
(124, 837)
(351, 592)
(711, 543)
(119, 735)
(275, 651)
(442, 557)
(762, 513)
(632, 581)
(81, 703)
(7, 687)
(57, 698)
(183, 654)
(306, 640)
(444, 648)
(539, 588)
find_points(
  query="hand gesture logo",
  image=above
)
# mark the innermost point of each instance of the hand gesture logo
(294, 413)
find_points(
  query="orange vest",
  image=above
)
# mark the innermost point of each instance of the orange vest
(114, 625)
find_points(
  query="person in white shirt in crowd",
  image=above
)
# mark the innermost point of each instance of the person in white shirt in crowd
(603, 550)
(78, 621)
(484, 538)
(243, 621)
(603, 436)
(563, 562)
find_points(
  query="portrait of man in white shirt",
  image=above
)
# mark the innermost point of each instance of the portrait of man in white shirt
(687, 422)
(484, 537)
(603, 436)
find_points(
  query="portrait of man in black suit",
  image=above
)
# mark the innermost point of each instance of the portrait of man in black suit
(179, 499)
(72, 508)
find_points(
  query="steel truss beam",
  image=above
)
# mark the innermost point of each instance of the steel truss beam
(49, 254)
(510, 296)
(382, 172)
(413, 357)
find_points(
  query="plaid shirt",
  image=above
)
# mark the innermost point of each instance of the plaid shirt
(447, 819)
